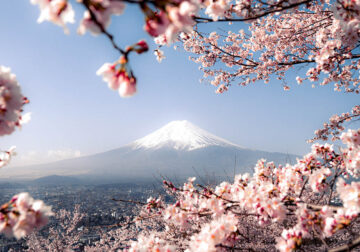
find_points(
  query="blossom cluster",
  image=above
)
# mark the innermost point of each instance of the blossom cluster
(118, 79)
(151, 243)
(22, 215)
(216, 232)
(117, 74)
(175, 19)
(347, 13)
(11, 102)
(61, 12)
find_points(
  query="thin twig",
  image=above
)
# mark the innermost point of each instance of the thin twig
(347, 247)
(103, 30)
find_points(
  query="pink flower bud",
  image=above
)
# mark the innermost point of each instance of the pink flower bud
(142, 47)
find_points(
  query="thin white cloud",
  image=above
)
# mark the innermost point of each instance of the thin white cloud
(63, 154)
(40, 157)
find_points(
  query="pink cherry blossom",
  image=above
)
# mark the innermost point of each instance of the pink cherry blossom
(213, 233)
(216, 9)
(351, 138)
(151, 243)
(157, 24)
(58, 12)
(110, 75)
(11, 102)
(350, 195)
(118, 79)
(318, 178)
(22, 215)
(127, 86)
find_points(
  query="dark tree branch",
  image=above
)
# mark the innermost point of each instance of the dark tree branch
(347, 247)
(129, 201)
(276, 9)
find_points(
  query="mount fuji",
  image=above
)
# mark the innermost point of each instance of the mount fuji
(182, 136)
(177, 150)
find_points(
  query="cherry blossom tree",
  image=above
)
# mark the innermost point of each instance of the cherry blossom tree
(308, 205)
(281, 35)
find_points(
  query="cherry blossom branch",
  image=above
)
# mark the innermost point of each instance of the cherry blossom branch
(129, 201)
(320, 237)
(277, 9)
(232, 55)
(335, 127)
(303, 187)
(297, 62)
(303, 29)
(332, 184)
(217, 196)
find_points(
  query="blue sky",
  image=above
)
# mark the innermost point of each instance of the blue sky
(74, 113)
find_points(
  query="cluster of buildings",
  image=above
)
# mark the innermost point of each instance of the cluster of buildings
(96, 201)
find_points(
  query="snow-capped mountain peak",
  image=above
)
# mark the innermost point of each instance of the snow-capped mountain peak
(180, 135)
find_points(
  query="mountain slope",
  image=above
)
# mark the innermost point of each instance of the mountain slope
(177, 150)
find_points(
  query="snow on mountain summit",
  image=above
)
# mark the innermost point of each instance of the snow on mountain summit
(180, 135)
